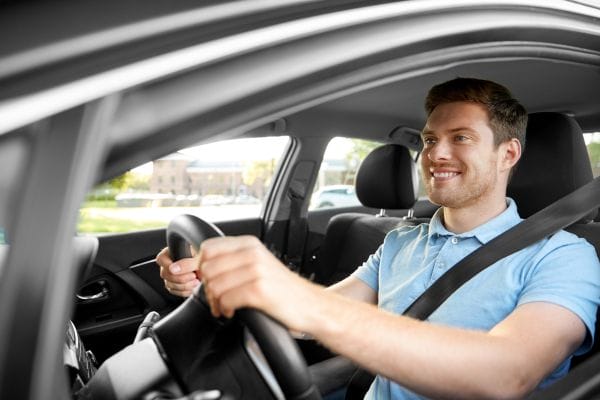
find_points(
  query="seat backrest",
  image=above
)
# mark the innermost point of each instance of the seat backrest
(386, 179)
(555, 162)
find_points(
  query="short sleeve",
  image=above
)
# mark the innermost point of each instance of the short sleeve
(568, 276)
(368, 272)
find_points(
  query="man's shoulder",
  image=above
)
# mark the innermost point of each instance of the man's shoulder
(563, 238)
(407, 232)
(566, 244)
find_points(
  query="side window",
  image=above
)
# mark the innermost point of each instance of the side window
(592, 140)
(335, 184)
(219, 181)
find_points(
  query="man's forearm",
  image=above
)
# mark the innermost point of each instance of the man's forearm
(436, 361)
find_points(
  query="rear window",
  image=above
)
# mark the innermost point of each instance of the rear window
(592, 141)
(335, 183)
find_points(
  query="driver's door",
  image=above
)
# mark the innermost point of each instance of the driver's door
(224, 182)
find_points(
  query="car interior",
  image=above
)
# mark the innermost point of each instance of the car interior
(86, 102)
(335, 242)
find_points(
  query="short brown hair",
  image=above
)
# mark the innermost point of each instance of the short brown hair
(508, 118)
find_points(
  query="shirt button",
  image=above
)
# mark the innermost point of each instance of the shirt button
(454, 240)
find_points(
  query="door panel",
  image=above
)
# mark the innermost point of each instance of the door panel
(124, 285)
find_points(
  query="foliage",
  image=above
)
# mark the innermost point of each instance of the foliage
(128, 181)
(259, 170)
(360, 149)
(594, 153)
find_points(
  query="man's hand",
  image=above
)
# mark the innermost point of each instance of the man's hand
(181, 277)
(240, 272)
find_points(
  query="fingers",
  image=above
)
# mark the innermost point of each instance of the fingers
(163, 258)
(232, 300)
(180, 271)
(239, 272)
(180, 277)
(219, 290)
(214, 247)
(182, 289)
(235, 271)
(228, 265)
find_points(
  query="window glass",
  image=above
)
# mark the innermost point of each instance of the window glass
(217, 182)
(335, 183)
(592, 141)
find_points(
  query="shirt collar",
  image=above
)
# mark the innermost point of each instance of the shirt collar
(485, 232)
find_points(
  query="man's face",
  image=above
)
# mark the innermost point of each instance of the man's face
(460, 164)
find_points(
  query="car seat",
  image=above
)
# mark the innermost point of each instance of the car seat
(386, 179)
(555, 162)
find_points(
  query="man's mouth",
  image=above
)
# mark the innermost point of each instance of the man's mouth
(444, 175)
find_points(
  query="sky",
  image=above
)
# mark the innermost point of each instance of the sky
(250, 149)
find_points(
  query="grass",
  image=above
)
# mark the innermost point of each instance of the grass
(92, 222)
(99, 204)
(104, 225)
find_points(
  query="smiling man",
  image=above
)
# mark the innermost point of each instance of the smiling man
(510, 329)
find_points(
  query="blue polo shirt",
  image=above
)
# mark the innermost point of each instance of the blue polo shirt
(562, 269)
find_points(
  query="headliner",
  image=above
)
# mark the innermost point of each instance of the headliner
(540, 85)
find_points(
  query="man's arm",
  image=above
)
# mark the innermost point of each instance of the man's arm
(182, 276)
(444, 362)
(354, 289)
(437, 361)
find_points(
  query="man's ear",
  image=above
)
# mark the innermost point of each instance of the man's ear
(511, 153)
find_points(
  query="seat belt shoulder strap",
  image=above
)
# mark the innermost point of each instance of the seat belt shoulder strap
(545, 222)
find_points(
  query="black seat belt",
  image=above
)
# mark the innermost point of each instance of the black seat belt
(297, 231)
(560, 214)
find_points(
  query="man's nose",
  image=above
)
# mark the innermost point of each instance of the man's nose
(439, 151)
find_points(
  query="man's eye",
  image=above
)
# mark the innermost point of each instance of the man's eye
(428, 141)
(460, 138)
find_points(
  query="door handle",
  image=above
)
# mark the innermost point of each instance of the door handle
(93, 292)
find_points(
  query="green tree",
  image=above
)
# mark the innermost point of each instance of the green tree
(118, 183)
(130, 180)
(360, 149)
(259, 172)
(594, 153)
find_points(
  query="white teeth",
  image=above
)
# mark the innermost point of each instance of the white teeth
(444, 174)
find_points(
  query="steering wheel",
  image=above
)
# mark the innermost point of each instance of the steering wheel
(180, 329)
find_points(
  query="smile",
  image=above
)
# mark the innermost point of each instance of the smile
(444, 175)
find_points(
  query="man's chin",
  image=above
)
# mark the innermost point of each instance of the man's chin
(444, 201)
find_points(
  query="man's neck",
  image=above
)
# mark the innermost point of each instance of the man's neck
(460, 220)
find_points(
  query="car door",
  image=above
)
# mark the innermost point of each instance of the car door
(221, 182)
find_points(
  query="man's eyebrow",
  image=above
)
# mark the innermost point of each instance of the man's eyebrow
(462, 128)
(453, 130)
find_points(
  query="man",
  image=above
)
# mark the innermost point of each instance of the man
(510, 329)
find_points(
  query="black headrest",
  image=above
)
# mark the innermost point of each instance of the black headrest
(387, 178)
(555, 163)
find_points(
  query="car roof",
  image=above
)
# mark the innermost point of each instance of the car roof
(546, 53)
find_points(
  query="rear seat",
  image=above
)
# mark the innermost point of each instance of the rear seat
(385, 180)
